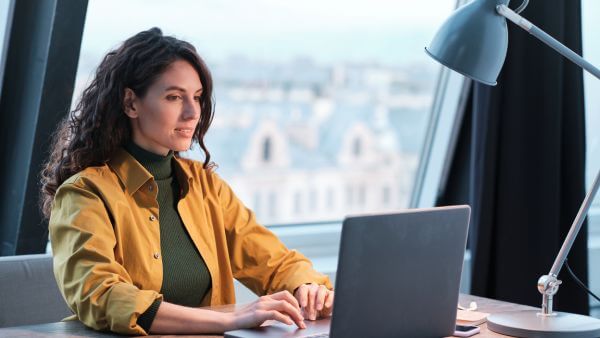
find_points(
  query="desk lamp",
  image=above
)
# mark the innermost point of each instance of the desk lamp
(473, 42)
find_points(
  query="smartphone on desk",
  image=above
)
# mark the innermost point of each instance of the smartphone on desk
(466, 330)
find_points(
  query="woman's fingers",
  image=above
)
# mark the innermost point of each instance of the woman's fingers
(278, 316)
(301, 295)
(266, 308)
(315, 300)
(321, 294)
(284, 305)
(289, 310)
(312, 300)
(286, 296)
(328, 306)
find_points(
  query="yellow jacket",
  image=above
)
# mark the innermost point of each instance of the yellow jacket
(106, 242)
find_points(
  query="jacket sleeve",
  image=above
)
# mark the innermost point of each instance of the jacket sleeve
(96, 287)
(258, 258)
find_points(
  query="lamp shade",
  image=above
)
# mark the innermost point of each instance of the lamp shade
(473, 41)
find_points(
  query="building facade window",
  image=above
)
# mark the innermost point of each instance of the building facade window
(362, 195)
(357, 147)
(266, 154)
(273, 204)
(313, 200)
(330, 198)
(298, 208)
(385, 192)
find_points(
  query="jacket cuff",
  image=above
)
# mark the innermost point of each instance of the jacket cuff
(307, 278)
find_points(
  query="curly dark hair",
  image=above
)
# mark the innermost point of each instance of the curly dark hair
(98, 125)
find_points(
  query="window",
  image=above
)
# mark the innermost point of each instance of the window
(257, 204)
(361, 74)
(267, 150)
(313, 200)
(272, 204)
(298, 203)
(357, 147)
(330, 198)
(5, 18)
(386, 195)
(312, 121)
(591, 51)
(362, 196)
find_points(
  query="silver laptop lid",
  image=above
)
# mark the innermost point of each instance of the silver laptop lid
(399, 274)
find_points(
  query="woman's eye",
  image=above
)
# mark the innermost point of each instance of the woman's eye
(173, 97)
(197, 98)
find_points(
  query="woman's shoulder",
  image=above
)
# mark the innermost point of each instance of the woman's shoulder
(93, 176)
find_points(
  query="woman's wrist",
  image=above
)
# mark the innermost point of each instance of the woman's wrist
(176, 319)
(226, 321)
(215, 321)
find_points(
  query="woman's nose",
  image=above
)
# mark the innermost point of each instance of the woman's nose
(191, 109)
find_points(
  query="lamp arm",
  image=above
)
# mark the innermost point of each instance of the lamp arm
(547, 39)
(575, 227)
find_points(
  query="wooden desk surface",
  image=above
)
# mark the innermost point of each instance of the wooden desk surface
(75, 329)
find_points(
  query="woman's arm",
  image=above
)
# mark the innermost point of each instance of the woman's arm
(100, 291)
(96, 287)
(263, 263)
(176, 319)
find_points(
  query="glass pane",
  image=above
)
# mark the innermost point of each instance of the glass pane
(4, 13)
(591, 51)
(321, 107)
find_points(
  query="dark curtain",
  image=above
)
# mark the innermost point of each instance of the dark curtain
(527, 164)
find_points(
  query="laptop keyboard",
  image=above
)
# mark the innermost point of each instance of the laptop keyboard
(317, 335)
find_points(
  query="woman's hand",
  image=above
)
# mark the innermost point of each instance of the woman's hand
(280, 306)
(316, 301)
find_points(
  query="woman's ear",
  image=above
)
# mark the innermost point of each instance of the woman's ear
(129, 103)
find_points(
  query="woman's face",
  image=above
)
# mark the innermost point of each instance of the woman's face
(166, 117)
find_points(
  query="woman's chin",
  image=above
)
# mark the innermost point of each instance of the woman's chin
(182, 146)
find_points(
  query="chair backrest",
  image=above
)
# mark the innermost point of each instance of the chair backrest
(28, 291)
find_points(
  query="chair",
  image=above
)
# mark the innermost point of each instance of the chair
(28, 291)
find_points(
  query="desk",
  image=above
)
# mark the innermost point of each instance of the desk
(75, 329)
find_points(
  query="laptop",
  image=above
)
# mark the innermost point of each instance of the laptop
(398, 276)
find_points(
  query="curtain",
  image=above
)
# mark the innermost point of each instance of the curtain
(527, 164)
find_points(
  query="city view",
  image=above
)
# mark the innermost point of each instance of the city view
(343, 100)
(301, 141)
(312, 122)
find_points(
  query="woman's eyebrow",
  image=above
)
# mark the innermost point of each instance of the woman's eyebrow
(180, 89)
(175, 88)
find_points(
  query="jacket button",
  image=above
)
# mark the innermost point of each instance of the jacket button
(156, 255)
(152, 218)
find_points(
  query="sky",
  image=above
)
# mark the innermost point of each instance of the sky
(275, 29)
(391, 32)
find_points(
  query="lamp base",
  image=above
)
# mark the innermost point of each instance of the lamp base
(530, 324)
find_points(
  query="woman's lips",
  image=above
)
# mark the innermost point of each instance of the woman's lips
(188, 132)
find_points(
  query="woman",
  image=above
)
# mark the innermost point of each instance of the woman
(142, 238)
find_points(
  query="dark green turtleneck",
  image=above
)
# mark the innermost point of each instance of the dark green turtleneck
(186, 279)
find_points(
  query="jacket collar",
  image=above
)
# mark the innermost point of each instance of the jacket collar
(133, 175)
